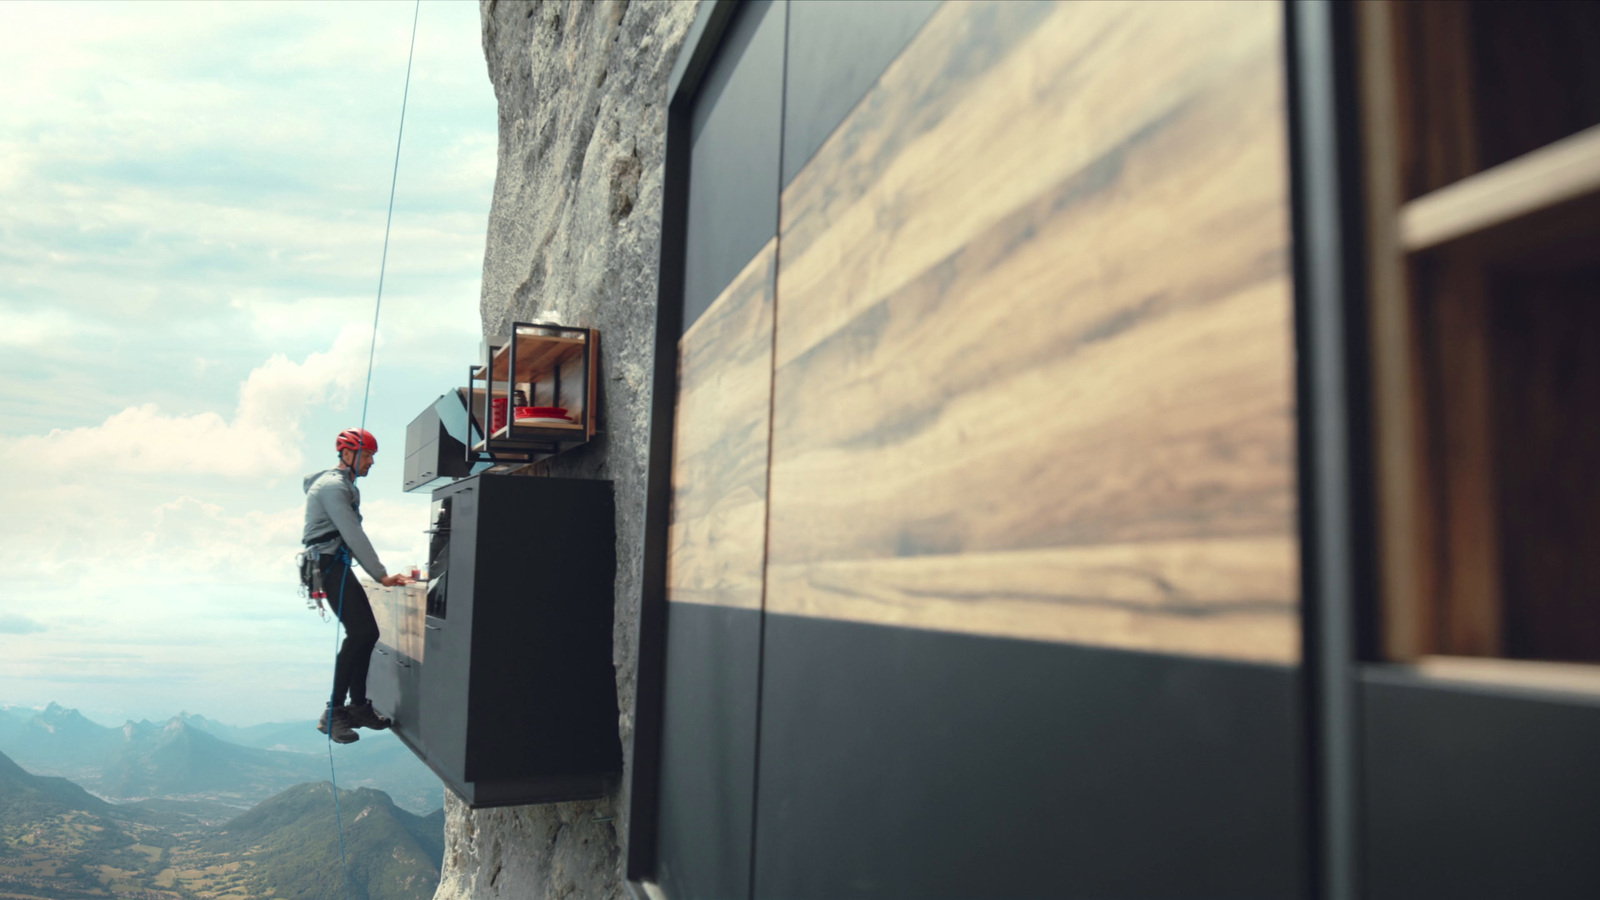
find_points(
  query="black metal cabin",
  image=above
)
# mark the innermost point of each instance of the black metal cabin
(510, 695)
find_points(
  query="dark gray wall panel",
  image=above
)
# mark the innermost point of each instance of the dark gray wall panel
(1472, 793)
(836, 53)
(906, 763)
(708, 751)
(733, 169)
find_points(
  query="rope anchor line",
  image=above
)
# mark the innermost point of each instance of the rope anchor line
(366, 396)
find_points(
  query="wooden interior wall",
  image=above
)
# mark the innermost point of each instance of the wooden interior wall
(1461, 103)
(1033, 337)
(1545, 368)
(1455, 308)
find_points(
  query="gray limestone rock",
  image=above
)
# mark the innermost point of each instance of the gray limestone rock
(574, 238)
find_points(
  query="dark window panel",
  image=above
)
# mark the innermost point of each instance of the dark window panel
(733, 172)
(836, 53)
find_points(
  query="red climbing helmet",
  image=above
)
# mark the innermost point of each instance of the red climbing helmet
(355, 439)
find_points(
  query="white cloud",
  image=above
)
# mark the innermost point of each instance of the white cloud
(152, 498)
(146, 500)
(262, 438)
(253, 546)
(165, 168)
(19, 328)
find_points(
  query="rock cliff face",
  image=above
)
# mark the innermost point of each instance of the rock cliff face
(574, 236)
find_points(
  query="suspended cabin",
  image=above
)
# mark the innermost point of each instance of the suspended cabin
(497, 673)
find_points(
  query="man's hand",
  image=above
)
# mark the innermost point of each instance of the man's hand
(395, 580)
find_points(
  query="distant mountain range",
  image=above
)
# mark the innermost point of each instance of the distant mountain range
(190, 757)
(24, 796)
(59, 842)
(294, 737)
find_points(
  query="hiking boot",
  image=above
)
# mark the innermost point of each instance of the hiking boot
(362, 715)
(343, 731)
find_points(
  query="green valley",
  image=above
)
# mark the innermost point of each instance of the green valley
(58, 842)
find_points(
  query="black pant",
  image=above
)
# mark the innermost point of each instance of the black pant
(360, 631)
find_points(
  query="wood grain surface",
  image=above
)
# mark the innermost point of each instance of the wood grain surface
(716, 541)
(1545, 384)
(1033, 349)
(1462, 411)
(1404, 497)
(1438, 121)
(399, 612)
(1215, 597)
(1546, 177)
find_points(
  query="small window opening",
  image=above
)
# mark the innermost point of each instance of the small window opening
(1481, 124)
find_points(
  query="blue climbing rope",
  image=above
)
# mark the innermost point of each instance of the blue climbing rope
(393, 180)
(366, 396)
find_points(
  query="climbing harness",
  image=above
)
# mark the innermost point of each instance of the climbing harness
(344, 554)
(310, 563)
(311, 581)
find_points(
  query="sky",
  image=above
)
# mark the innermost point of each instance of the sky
(192, 201)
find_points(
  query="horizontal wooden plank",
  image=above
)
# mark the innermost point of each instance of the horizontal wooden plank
(535, 355)
(1575, 678)
(954, 49)
(399, 612)
(716, 543)
(1181, 427)
(1205, 598)
(1566, 170)
(538, 431)
(1055, 319)
(869, 213)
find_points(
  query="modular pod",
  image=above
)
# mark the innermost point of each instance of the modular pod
(554, 371)
(510, 694)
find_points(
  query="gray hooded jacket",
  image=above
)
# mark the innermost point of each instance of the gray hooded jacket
(333, 506)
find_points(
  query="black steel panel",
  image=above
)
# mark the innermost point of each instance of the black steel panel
(394, 686)
(905, 763)
(699, 46)
(521, 792)
(708, 751)
(447, 645)
(515, 701)
(543, 698)
(383, 682)
(733, 169)
(836, 53)
(436, 444)
(644, 754)
(1475, 793)
(1333, 474)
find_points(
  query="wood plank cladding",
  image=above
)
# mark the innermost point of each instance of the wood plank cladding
(716, 540)
(1034, 349)
(1203, 597)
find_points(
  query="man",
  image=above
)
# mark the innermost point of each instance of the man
(333, 532)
